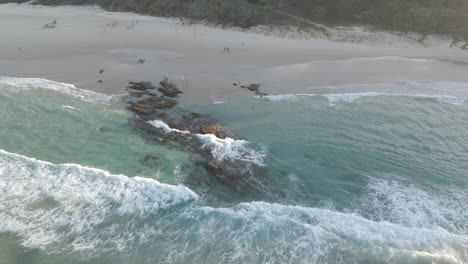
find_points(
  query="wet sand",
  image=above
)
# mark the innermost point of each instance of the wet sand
(87, 40)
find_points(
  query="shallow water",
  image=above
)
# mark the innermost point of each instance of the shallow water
(355, 178)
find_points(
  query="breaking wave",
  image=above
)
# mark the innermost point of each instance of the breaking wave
(444, 92)
(334, 99)
(222, 149)
(19, 84)
(256, 232)
(356, 61)
(165, 127)
(231, 149)
(71, 207)
(410, 205)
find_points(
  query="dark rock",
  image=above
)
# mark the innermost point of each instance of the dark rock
(104, 129)
(169, 88)
(162, 115)
(215, 129)
(141, 109)
(214, 168)
(101, 71)
(196, 115)
(140, 61)
(141, 86)
(148, 106)
(258, 93)
(51, 25)
(100, 81)
(253, 87)
(139, 94)
(194, 118)
(159, 102)
(176, 126)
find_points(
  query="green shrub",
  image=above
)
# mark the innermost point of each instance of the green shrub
(424, 16)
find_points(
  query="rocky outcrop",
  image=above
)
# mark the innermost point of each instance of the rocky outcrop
(182, 130)
(168, 88)
(195, 115)
(147, 107)
(141, 109)
(158, 102)
(141, 86)
(254, 87)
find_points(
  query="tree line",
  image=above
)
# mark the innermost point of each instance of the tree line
(426, 17)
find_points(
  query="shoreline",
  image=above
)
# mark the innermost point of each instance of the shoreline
(88, 40)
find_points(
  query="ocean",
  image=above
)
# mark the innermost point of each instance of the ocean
(365, 173)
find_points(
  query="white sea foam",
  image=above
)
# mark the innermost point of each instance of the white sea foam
(231, 149)
(444, 92)
(257, 231)
(389, 59)
(388, 87)
(308, 66)
(383, 59)
(77, 208)
(70, 107)
(408, 225)
(165, 127)
(71, 207)
(334, 99)
(222, 149)
(411, 205)
(19, 84)
(285, 97)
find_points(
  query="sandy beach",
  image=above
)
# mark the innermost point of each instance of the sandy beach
(87, 40)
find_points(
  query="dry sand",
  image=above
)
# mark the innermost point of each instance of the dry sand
(88, 39)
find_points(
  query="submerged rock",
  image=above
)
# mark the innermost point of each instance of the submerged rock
(104, 129)
(196, 115)
(151, 160)
(169, 88)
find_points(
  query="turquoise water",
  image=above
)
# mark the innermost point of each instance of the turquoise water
(348, 179)
(52, 127)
